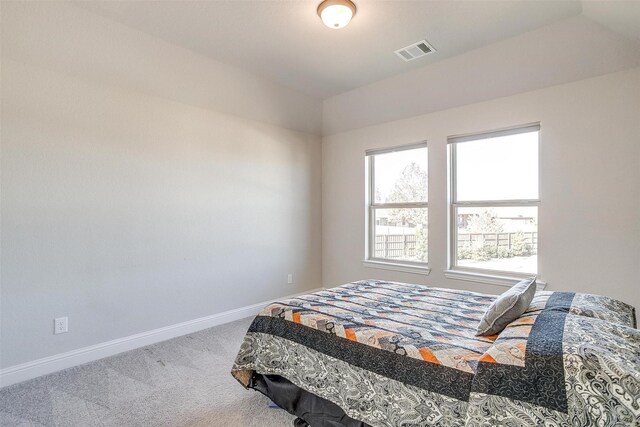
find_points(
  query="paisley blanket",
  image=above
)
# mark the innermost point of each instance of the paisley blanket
(393, 354)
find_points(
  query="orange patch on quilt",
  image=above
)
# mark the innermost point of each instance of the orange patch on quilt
(487, 358)
(295, 317)
(428, 355)
(470, 357)
(524, 321)
(350, 334)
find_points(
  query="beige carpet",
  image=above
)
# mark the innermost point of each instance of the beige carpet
(181, 382)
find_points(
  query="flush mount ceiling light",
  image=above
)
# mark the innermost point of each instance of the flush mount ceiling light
(336, 13)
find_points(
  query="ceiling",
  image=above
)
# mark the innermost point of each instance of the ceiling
(620, 16)
(285, 41)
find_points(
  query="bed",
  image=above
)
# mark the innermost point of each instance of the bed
(378, 353)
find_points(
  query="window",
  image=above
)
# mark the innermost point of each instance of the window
(397, 205)
(494, 202)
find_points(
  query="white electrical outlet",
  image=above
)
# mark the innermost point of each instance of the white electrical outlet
(290, 278)
(60, 325)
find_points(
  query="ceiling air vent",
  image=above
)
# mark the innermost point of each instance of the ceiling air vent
(414, 51)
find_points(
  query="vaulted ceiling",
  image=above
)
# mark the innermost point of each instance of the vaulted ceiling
(286, 42)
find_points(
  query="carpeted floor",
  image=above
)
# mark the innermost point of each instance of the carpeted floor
(181, 382)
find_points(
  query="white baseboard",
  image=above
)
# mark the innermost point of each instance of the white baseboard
(26, 371)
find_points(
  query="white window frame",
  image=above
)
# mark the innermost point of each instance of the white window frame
(371, 206)
(498, 277)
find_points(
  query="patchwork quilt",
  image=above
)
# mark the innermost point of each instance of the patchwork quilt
(394, 354)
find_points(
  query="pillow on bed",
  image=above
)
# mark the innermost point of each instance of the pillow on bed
(508, 307)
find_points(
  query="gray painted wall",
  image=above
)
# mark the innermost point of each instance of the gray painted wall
(127, 210)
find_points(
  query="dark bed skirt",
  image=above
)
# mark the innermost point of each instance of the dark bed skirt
(315, 410)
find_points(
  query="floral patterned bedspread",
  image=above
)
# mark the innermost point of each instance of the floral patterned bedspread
(394, 354)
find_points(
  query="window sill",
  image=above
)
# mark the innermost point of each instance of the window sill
(405, 268)
(490, 279)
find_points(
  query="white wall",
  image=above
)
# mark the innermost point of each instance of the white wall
(590, 185)
(127, 210)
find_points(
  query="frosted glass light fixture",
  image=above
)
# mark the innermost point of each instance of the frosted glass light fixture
(336, 13)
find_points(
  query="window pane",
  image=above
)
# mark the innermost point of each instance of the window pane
(500, 238)
(501, 168)
(400, 234)
(401, 176)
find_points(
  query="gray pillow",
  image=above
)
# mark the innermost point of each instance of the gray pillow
(508, 307)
